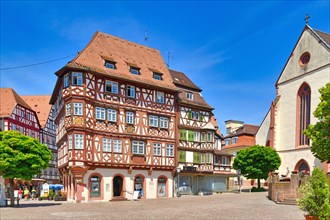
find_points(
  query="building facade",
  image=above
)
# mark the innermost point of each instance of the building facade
(115, 116)
(239, 136)
(203, 167)
(305, 72)
(45, 114)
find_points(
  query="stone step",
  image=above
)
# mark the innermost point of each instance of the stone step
(118, 198)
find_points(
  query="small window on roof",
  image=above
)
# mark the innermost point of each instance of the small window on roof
(189, 95)
(157, 76)
(110, 64)
(134, 70)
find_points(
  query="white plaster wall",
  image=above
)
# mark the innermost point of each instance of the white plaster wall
(263, 133)
(151, 182)
(285, 119)
(319, 57)
(189, 156)
(291, 158)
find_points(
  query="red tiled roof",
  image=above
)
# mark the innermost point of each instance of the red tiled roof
(125, 53)
(246, 129)
(40, 104)
(8, 100)
(184, 84)
(181, 80)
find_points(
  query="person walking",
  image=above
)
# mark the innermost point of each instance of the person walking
(20, 193)
(26, 193)
(34, 193)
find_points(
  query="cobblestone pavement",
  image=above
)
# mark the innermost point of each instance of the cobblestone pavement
(220, 206)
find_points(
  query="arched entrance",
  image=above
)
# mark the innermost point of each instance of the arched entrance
(117, 186)
(302, 165)
(161, 187)
(139, 185)
(95, 186)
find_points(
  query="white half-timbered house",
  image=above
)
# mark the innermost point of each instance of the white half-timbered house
(115, 116)
(45, 113)
(202, 166)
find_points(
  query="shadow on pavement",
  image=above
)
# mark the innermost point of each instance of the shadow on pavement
(33, 205)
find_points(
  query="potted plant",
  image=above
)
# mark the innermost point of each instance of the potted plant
(51, 194)
(314, 196)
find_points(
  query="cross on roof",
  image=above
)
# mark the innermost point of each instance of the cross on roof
(306, 18)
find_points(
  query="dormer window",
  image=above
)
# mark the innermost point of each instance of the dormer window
(157, 76)
(110, 64)
(189, 96)
(134, 70)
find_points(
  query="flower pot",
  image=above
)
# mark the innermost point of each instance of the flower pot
(309, 217)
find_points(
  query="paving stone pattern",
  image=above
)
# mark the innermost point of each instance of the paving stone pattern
(221, 206)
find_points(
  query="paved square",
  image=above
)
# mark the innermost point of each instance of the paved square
(220, 206)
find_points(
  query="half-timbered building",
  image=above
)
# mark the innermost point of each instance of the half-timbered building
(17, 115)
(115, 116)
(45, 113)
(202, 166)
(239, 136)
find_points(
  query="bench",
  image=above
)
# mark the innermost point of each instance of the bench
(7, 200)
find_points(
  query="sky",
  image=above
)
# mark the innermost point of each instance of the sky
(234, 50)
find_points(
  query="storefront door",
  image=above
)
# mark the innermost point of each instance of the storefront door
(161, 189)
(138, 185)
(117, 186)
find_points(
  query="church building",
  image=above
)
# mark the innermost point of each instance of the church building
(297, 96)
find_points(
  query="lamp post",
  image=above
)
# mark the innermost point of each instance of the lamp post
(178, 170)
(239, 180)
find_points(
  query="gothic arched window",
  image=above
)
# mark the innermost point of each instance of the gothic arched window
(304, 113)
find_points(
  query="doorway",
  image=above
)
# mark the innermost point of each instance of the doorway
(117, 186)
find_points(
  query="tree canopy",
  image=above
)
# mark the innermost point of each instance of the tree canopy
(320, 132)
(21, 157)
(256, 162)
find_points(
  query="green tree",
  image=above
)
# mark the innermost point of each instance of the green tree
(314, 196)
(320, 132)
(256, 162)
(21, 157)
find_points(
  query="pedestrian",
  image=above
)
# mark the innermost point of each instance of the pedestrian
(34, 193)
(26, 193)
(20, 193)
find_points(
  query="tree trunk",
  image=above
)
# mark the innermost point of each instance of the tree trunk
(258, 183)
(11, 192)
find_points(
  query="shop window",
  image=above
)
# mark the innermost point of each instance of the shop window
(95, 186)
(161, 189)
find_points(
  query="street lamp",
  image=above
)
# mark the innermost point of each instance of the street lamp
(239, 179)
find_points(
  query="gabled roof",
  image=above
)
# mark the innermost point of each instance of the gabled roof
(8, 101)
(246, 129)
(321, 37)
(184, 84)
(40, 104)
(181, 80)
(105, 47)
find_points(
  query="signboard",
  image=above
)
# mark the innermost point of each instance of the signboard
(189, 168)
(136, 195)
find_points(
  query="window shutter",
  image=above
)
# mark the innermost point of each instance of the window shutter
(189, 115)
(196, 157)
(190, 136)
(183, 134)
(182, 156)
(201, 117)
